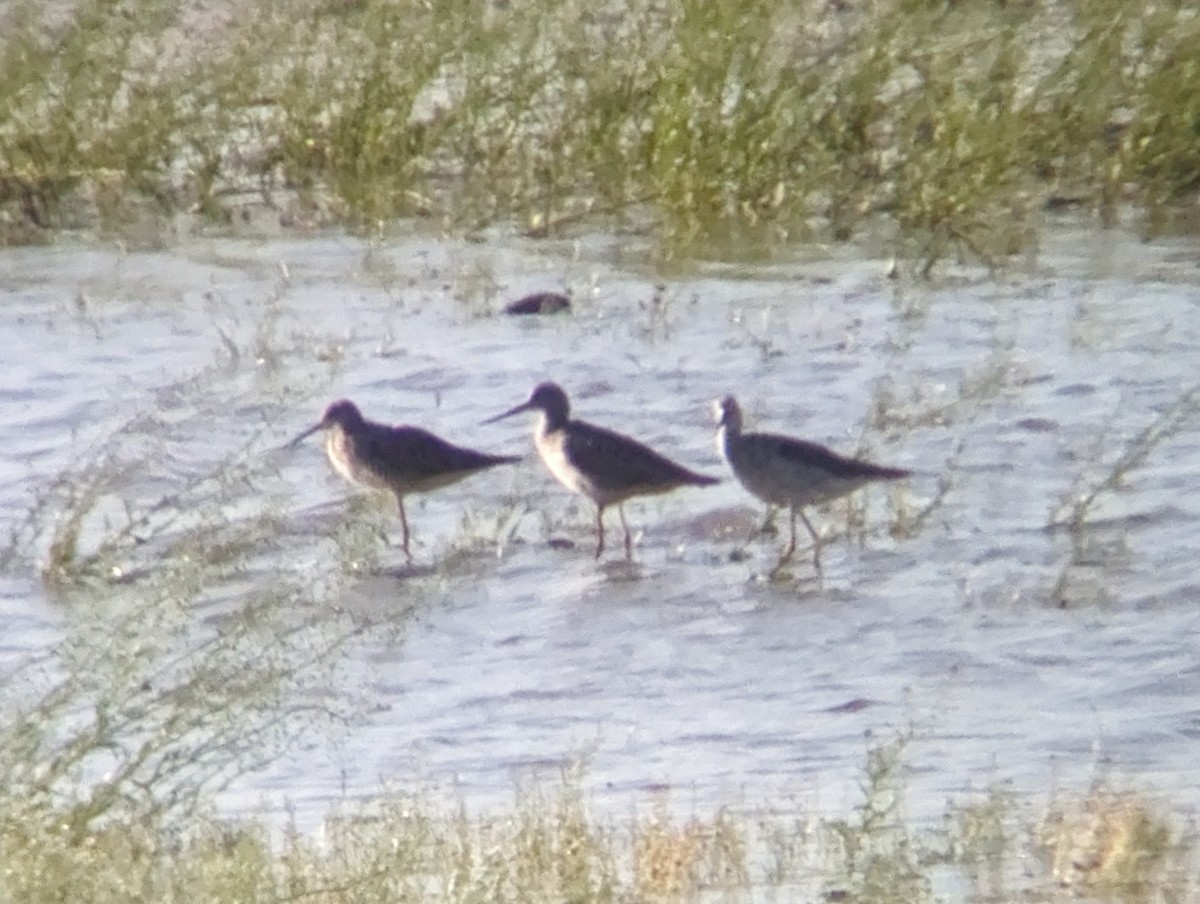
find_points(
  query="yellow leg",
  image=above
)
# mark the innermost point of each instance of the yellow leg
(788, 550)
(599, 531)
(816, 543)
(404, 528)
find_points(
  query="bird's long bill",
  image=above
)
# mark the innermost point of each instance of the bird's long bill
(524, 406)
(305, 435)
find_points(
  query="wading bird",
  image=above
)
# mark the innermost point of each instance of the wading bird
(401, 459)
(784, 471)
(606, 466)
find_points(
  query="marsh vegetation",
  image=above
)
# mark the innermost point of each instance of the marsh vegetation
(928, 129)
(549, 847)
(203, 617)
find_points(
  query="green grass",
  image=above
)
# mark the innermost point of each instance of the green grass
(947, 128)
(549, 846)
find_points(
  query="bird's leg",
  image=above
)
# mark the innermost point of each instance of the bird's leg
(599, 530)
(404, 528)
(816, 543)
(791, 546)
(628, 539)
(788, 550)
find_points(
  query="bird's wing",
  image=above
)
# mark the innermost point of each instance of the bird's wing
(616, 461)
(813, 455)
(420, 454)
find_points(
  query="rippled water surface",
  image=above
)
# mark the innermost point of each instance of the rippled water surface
(1012, 651)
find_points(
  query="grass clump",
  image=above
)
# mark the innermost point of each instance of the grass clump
(1077, 510)
(876, 856)
(678, 862)
(1110, 843)
(186, 651)
(947, 128)
(546, 848)
(549, 847)
(181, 665)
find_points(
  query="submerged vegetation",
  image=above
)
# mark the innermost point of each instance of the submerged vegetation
(940, 127)
(1076, 512)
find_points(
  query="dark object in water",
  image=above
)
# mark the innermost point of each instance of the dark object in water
(539, 303)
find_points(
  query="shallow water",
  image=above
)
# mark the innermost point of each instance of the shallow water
(686, 674)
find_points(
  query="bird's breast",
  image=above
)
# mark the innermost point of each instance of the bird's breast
(344, 456)
(552, 447)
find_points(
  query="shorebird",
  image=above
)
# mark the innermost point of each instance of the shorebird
(606, 466)
(784, 471)
(401, 459)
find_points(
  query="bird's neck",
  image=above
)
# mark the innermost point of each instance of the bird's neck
(340, 452)
(725, 435)
(550, 422)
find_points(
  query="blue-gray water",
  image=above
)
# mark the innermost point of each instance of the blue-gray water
(687, 673)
